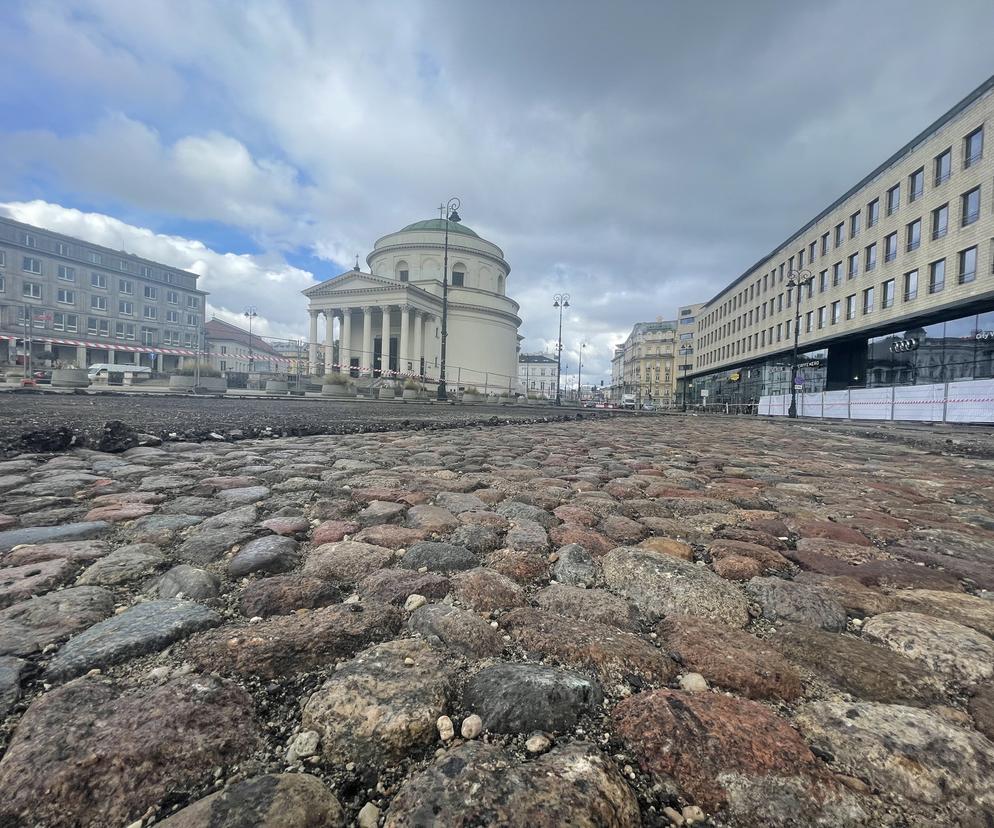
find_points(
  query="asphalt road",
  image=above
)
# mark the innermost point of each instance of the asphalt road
(52, 422)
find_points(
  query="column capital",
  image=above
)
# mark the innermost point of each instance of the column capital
(386, 308)
(314, 312)
(367, 309)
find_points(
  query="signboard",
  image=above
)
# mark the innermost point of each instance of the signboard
(984, 335)
(901, 346)
(705, 393)
(734, 377)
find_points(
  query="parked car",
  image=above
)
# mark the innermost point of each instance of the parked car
(648, 406)
(42, 377)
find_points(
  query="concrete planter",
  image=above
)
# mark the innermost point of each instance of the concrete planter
(277, 387)
(336, 389)
(472, 399)
(212, 385)
(411, 394)
(70, 378)
(386, 392)
(181, 383)
(506, 399)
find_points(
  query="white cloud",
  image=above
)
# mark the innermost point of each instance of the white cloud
(234, 281)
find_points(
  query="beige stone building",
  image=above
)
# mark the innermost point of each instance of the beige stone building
(644, 365)
(897, 278)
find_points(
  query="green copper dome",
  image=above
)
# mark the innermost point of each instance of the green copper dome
(439, 224)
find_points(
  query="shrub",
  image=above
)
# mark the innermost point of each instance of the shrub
(205, 371)
(412, 385)
(335, 378)
(471, 389)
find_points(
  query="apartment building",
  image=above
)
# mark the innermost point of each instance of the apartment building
(537, 374)
(234, 350)
(645, 365)
(686, 343)
(893, 283)
(87, 304)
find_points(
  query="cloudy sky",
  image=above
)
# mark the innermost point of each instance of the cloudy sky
(639, 155)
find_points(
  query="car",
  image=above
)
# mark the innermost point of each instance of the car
(42, 377)
(648, 406)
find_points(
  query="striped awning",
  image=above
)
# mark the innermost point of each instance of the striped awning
(104, 346)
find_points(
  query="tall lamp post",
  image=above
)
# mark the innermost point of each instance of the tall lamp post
(448, 212)
(797, 279)
(579, 369)
(560, 300)
(250, 314)
(685, 351)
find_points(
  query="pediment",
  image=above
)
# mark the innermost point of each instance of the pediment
(350, 280)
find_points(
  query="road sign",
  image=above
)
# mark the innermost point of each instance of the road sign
(705, 393)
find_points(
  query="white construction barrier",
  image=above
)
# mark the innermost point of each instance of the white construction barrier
(970, 401)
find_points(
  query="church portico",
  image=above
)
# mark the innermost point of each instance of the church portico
(389, 323)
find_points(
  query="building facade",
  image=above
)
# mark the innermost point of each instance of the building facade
(232, 350)
(897, 279)
(389, 319)
(686, 345)
(644, 365)
(538, 374)
(86, 304)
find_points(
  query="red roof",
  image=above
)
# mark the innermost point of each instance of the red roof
(217, 329)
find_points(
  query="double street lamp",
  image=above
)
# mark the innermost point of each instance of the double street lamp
(560, 300)
(796, 279)
(250, 314)
(448, 212)
(685, 351)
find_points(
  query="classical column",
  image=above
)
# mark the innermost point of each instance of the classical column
(385, 337)
(312, 344)
(345, 341)
(366, 358)
(405, 326)
(419, 330)
(329, 340)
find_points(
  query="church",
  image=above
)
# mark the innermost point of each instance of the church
(388, 322)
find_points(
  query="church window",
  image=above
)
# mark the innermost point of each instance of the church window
(458, 278)
(403, 275)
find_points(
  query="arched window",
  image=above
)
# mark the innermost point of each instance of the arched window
(403, 271)
(458, 275)
(500, 284)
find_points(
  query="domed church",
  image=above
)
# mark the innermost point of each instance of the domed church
(388, 321)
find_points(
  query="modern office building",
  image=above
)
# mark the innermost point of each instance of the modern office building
(537, 374)
(897, 279)
(86, 304)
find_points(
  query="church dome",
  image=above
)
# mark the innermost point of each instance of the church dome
(439, 224)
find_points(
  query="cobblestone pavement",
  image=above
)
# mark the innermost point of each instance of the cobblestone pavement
(627, 622)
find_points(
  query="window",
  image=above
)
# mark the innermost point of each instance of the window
(126, 287)
(94, 257)
(779, 302)
(853, 225)
(193, 319)
(3, 258)
(66, 297)
(149, 312)
(940, 221)
(851, 306)
(31, 265)
(458, 278)
(404, 275)
(854, 265)
(3, 283)
(126, 308)
(193, 301)
(151, 292)
(890, 247)
(124, 330)
(943, 166)
(967, 265)
(148, 336)
(868, 301)
(888, 294)
(836, 311)
(937, 276)
(837, 274)
(873, 212)
(823, 281)
(914, 235)
(970, 206)
(124, 265)
(910, 285)
(893, 199)
(871, 257)
(65, 322)
(31, 290)
(172, 297)
(28, 240)
(824, 244)
(916, 184)
(98, 303)
(98, 280)
(808, 321)
(172, 316)
(146, 271)
(779, 331)
(811, 251)
(839, 233)
(973, 147)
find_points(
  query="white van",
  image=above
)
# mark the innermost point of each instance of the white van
(102, 369)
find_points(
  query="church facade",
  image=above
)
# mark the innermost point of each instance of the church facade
(387, 322)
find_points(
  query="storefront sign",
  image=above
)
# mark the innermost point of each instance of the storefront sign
(734, 377)
(985, 335)
(902, 346)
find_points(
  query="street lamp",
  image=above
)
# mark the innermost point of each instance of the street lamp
(448, 212)
(579, 369)
(685, 351)
(250, 314)
(560, 300)
(798, 279)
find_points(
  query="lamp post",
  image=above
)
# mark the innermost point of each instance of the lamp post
(685, 351)
(579, 369)
(560, 300)
(448, 212)
(798, 279)
(250, 314)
